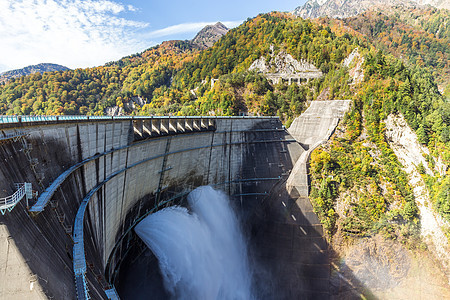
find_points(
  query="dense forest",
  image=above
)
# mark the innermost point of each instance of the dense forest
(359, 165)
(421, 36)
(403, 54)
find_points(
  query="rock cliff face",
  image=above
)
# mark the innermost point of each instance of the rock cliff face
(354, 64)
(284, 67)
(41, 68)
(411, 153)
(206, 37)
(128, 107)
(348, 8)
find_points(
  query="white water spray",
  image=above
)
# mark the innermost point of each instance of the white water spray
(201, 253)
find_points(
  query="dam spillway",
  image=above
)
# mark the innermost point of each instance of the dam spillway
(130, 167)
(201, 252)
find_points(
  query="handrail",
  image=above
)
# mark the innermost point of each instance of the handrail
(6, 119)
(49, 192)
(9, 202)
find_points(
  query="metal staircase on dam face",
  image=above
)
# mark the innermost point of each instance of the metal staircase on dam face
(24, 190)
(13, 136)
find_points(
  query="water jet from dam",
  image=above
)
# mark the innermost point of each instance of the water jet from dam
(202, 253)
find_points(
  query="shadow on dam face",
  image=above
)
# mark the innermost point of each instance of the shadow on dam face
(290, 258)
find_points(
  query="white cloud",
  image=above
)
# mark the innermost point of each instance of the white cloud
(177, 29)
(132, 8)
(187, 28)
(232, 24)
(74, 33)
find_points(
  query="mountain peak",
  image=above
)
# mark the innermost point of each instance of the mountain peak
(210, 34)
(219, 25)
(349, 8)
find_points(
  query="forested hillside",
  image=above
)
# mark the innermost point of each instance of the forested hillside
(91, 91)
(420, 36)
(164, 75)
(359, 165)
(176, 78)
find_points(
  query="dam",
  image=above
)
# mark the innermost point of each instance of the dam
(74, 187)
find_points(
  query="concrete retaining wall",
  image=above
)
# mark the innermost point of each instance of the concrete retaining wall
(313, 128)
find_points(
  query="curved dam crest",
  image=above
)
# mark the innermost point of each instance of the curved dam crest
(140, 166)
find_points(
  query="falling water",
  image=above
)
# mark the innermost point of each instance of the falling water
(201, 252)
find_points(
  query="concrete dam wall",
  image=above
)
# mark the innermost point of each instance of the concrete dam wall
(97, 177)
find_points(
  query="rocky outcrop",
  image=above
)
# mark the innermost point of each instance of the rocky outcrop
(410, 153)
(348, 8)
(387, 269)
(354, 64)
(210, 34)
(139, 101)
(284, 67)
(128, 107)
(114, 111)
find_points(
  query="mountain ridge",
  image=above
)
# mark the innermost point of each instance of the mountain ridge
(204, 39)
(348, 8)
(28, 70)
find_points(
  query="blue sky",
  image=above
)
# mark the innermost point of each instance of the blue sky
(86, 33)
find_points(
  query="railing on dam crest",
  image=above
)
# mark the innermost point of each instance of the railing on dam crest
(36, 120)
